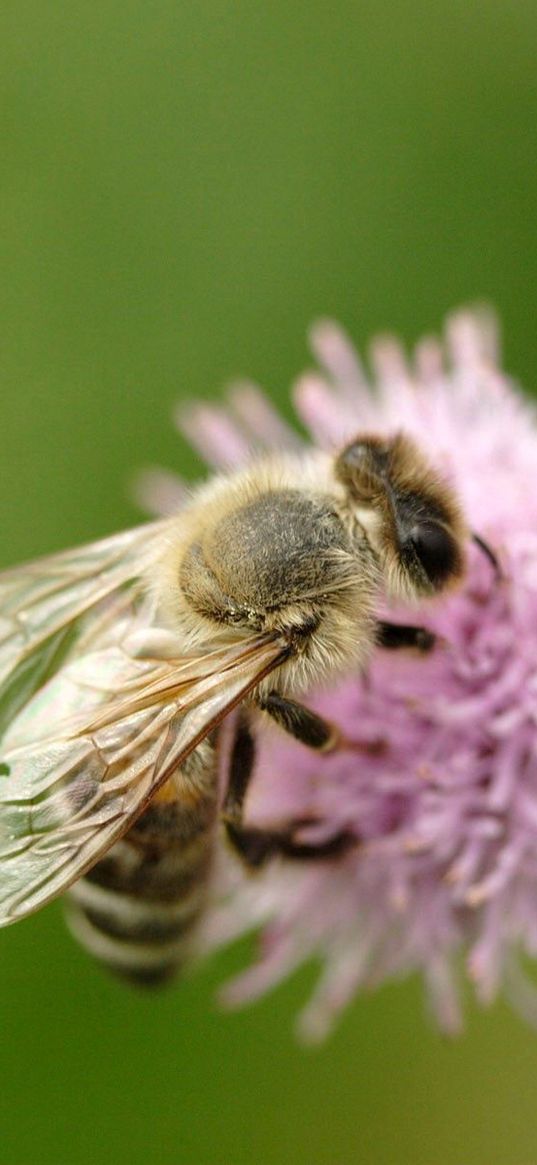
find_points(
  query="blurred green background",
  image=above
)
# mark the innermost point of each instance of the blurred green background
(184, 187)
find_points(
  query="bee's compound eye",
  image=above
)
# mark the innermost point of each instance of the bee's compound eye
(436, 550)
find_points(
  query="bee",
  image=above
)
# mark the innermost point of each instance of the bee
(120, 660)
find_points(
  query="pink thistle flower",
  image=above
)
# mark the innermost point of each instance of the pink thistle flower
(443, 878)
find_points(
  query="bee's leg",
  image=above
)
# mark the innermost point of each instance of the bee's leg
(256, 846)
(301, 722)
(396, 635)
(313, 730)
(241, 767)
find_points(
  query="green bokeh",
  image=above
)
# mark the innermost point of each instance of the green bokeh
(184, 187)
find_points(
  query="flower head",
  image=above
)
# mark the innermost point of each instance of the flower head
(443, 874)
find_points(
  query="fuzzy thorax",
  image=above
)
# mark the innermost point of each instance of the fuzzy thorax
(271, 549)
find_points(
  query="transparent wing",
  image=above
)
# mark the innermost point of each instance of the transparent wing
(65, 798)
(48, 605)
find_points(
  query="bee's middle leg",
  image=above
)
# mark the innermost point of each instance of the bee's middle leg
(256, 846)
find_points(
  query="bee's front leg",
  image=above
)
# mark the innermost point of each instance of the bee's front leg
(313, 730)
(400, 635)
(256, 846)
(306, 726)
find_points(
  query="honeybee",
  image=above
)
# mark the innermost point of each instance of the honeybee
(119, 661)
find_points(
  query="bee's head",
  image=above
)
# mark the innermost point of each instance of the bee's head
(411, 518)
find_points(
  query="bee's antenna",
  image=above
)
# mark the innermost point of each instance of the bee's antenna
(489, 553)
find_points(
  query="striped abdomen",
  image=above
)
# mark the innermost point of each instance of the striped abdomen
(137, 908)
